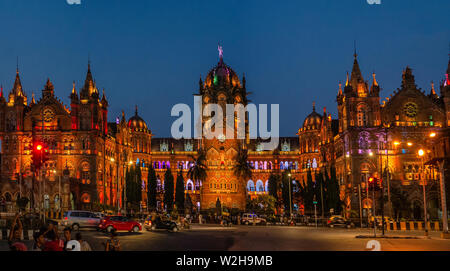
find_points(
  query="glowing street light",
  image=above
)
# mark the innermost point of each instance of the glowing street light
(396, 143)
(409, 144)
(432, 134)
(421, 152)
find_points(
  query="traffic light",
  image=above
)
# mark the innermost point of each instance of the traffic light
(39, 155)
(372, 181)
(375, 183)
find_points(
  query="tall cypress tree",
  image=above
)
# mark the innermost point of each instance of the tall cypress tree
(273, 185)
(179, 193)
(168, 190)
(138, 184)
(151, 191)
(334, 201)
(130, 185)
(308, 193)
(285, 190)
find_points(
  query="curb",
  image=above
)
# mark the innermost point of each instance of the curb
(387, 237)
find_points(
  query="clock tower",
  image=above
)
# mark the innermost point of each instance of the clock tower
(221, 87)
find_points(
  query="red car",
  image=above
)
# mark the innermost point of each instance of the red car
(119, 223)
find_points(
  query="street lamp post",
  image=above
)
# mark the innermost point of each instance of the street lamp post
(421, 154)
(290, 197)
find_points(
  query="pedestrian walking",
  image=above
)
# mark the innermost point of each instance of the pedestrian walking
(113, 244)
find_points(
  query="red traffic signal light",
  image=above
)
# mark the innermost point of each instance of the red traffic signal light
(39, 155)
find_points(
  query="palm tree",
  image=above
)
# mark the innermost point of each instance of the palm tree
(197, 172)
(242, 169)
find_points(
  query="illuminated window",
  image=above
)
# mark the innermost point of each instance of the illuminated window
(362, 115)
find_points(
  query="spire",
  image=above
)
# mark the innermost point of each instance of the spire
(433, 92)
(74, 91)
(447, 75)
(136, 112)
(314, 106)
(74, 94)
(17, 88)
(1, 90)
(448, 67)
(89, 86)
(347, 81)
(104, 101)
(48, 89)
(200, 83)
(33, 101)
(375, 83)
(244, 81)
(408, 81)
(356, 76)
(340, 88)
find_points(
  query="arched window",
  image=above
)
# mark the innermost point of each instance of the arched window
(250, 186)
(189, 185)
(259, 186)
(85, 173)
(362, 115)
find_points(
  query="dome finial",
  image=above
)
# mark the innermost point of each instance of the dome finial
(136, 112)
(220, 49)
(314, 106)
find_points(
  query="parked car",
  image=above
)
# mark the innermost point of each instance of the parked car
(119, 223)
(248, 219)
(339, 221)
(80, 219)
(152, 224)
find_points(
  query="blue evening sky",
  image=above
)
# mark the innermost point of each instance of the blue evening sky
(151, 53)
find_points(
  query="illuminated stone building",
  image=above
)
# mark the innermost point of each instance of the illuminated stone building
(89, 156)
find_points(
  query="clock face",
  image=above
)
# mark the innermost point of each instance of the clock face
(48, 114)
(410, 109)
(221, 138)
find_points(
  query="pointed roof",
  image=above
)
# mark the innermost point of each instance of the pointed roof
(432, 92)
(89, 85)
(374, 83)
(33, 101)
(356, 76)
(17, 88)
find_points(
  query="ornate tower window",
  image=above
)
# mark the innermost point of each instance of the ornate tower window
(362, 115)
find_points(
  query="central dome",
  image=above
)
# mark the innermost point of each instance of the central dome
(222, 76)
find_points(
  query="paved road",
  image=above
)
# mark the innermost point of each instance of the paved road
(260, 238)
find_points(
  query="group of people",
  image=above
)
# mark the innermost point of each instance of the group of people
(46, 239)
